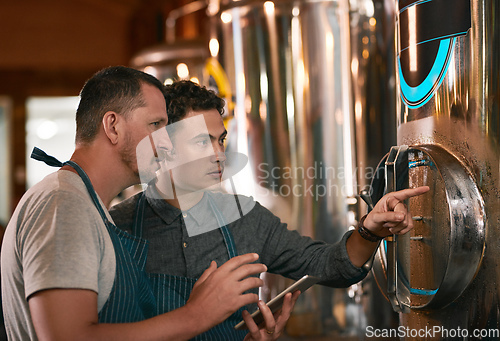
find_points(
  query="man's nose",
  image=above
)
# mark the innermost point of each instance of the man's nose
(163, 142)
(219, 153)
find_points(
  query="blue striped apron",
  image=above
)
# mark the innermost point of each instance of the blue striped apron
(172, 292)
(131, 298)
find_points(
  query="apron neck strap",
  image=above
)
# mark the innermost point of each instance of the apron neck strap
(40, 155)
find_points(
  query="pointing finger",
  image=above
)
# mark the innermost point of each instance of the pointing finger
(410, 192)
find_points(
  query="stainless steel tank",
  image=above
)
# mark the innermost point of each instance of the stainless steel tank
(309, 85)
(443, 278)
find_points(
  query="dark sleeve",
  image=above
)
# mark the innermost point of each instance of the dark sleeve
(287, 253)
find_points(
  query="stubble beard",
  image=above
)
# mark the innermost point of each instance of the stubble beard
(129, 158)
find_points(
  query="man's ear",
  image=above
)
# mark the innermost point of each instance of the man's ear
(110, 122)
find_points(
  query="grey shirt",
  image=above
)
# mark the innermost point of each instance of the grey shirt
(283, 251)
(55, 239)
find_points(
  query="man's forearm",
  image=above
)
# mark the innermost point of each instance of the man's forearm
(359, 249)
(70, 314)
(179, 324)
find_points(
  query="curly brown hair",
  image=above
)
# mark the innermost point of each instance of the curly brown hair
(183, 96)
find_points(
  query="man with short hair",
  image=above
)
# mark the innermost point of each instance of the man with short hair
(67, 272)
(189, 222)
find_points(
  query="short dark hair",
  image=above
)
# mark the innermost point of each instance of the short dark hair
(116, 88)
(183, 96)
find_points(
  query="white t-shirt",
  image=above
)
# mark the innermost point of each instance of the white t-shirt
(55, 239)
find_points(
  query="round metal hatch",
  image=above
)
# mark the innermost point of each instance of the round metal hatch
(438, 259)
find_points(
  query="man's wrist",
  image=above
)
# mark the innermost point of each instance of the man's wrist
(367, 234)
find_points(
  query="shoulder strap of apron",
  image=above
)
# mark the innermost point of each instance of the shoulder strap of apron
(40, 155)
(228, 236)
(139, 215)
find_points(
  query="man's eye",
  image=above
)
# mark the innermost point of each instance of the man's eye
(156, 124)
(202, 143)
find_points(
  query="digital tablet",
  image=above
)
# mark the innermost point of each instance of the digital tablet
(275, 304)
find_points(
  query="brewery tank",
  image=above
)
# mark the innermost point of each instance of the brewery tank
(313, 86)
(443, 277)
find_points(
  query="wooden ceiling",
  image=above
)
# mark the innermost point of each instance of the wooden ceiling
(51, 47)
(54, 35)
